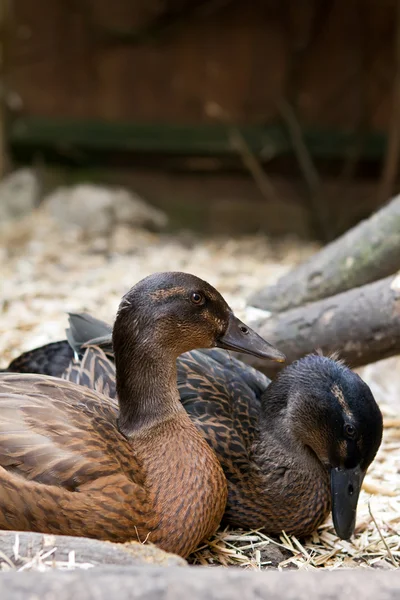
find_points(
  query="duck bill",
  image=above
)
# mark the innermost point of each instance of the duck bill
(240, 338)
(345, 489)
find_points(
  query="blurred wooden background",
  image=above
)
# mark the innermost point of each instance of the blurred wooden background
(124, 60)
(304, 91)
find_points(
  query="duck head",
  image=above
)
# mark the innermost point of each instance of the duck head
(181, 312)
(333, 413)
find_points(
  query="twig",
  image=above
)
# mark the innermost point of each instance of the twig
(354, 153)
(6, 559)
(303, 156)
(391, 161)
(39, 557)
(16, 547)
(307, 167)
(253, 165)
(394, 562)
(248, 157)
(4, 31)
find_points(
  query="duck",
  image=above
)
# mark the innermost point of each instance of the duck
(75, 462)
(292, 450)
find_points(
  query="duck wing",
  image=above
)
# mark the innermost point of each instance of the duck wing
(94, 371)
(222, 396)
(84, 329)
(233, 385)
(51, 359)
(220, 393)
(54, 359)
(64, 466)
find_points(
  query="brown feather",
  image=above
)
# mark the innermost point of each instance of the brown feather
(274, 480)
(66, 469)
(273, 483)
(74, 462)
(267, 486)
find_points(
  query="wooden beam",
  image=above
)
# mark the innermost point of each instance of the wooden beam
(4, 33)
(264, 141)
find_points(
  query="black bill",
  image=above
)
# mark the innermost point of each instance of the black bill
(345, 489)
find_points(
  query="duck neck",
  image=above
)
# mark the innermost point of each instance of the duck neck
(291, 485)
(147, 389)
(186, 509)
(284, 420)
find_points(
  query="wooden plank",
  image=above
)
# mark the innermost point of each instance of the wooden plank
(241, 56)
(265, 142)
(4, 38)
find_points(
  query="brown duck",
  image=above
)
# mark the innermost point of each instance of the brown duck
(70, 463)
(290, 449)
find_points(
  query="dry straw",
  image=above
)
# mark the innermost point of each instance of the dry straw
(49, 271)
(376, 542)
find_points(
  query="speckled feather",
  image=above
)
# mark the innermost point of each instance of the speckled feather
(274, 478)
(52, 359)
(223, 399)
(267, 486)
(68, 470)
(75, 462)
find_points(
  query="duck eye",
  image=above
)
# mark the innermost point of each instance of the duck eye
(350, 430)
(197, 298)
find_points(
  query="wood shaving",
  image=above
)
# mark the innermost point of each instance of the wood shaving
(47, 271)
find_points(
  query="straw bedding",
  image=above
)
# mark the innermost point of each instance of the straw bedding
(46, 271)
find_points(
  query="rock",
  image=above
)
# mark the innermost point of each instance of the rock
(97, 210)
(273, 555)
(130, 209)
(19, 194)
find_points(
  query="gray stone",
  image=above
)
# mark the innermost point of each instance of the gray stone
(97, 210)
(19, 194)
(272, 555)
